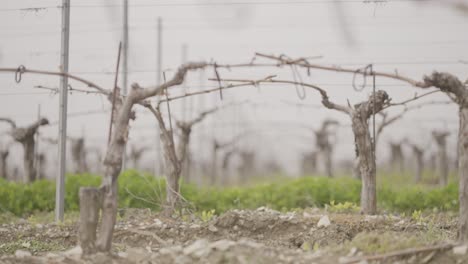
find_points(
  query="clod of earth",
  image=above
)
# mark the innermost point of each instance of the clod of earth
(243, 236)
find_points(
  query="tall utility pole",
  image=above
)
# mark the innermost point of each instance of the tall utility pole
(184, 87)
(62, 144)
(158, 164)
(125, 58)
(159, 51)
(185, 116)
(201, 148)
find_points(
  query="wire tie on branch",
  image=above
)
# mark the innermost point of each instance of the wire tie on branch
(365, 72)
(219, 81)
(253, 60)
(296, 76)
(53, 92)
(19, 72)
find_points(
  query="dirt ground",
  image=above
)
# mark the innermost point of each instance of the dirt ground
(245, 236)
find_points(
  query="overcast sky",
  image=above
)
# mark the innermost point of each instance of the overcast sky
(406, 36)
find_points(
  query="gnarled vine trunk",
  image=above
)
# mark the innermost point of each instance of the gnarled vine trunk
(3, 163)
(183, 152)
(459, 93)
(121, 115)
(397, 158)
(442, 158)
(41, 166)
(463, 173)
(135, 155)
(247, 166)
(364, 148)
(214, 163)
(28, 159)
(107, 193)
(172, 164)
(366, 164)
(356, 169)
(78, 153)
(226, 176)
(327, 153)
(25, 136)
(173, 171)
(324, 146)
(112, 168)
(309, 163)
(419, 159)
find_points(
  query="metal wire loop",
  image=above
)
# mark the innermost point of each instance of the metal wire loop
(19, 72)
(365, 72)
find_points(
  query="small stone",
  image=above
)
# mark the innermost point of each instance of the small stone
(158, 222)
(343, 259)
(198, 248)
(324, 221)
(51, 255)
(75, 252)
(346, 260)
(369, 218)
(352, 252)
(39, 226)
(122, 254)
(315, 210)
(288, 216)
(250, 243)
(307, 215)
(395, 217)
(222, 245)
(212, 228)
(22, 253)
(428, 257)
(101, 257)
(169, 250)
(136, 254)
(460, 250)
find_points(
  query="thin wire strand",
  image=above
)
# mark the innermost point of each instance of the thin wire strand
(168, 110)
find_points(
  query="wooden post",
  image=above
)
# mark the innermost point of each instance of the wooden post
(90, 202)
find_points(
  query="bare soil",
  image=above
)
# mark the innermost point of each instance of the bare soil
(242, 236)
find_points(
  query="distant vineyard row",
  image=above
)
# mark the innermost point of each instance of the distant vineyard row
(144, 191)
